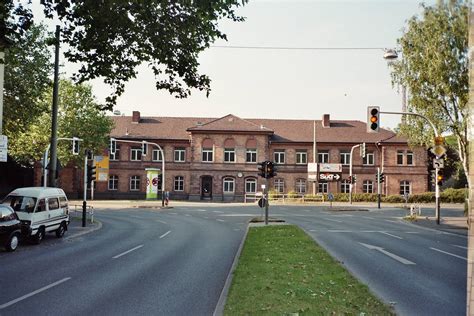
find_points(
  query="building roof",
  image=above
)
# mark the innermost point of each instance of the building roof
(281, 130)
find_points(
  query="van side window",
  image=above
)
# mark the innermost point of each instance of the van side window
(53, 203)
(41, 206)
(62, 202)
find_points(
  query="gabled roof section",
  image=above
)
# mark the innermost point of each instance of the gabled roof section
(231, 123)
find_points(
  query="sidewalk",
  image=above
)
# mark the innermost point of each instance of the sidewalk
(456, 225)
(75, 228)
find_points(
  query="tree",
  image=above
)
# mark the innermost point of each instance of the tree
(109, 39)
(78, 116)
(434, 69)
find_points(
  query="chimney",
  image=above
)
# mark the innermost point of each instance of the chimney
(136, 117)
(326, 121)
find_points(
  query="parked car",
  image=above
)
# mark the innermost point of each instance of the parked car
(40, 210)
(10, 228)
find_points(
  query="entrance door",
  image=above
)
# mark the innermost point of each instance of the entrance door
(206, 188)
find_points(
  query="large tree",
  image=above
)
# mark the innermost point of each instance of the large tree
(434, 69)
(110, 38)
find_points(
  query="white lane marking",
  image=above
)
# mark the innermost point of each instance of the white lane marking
(313, 230)
(387, 220)
(161, 221)
(339, 231)
(462, 247)
(33, 293)
(188, 215)
(412, 232)
(385, 252)
(220, 220)
(368, 217)
(174, 213)
(217, 212)
(448, 253)
(369, 231)
(327, 213)
(165, 234)
(388, 234)
(306, 210)
(452, 234)
(343, 215)
(237, 215)
(332, 220)
(201, 210)
(126, 252)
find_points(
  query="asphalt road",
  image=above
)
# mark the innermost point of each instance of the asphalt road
(175, 261)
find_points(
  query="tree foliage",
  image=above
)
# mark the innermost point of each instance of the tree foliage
(434, 68)
(110, 38)
(78, 116)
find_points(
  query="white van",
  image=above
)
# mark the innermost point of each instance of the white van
(40, 210)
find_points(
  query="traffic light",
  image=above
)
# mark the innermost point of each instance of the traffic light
(363, 150)
(382, 178)
(354, 179)
(75, 146)
(113, 146)
(350, 179)
(271, 170)
(373, 121)
(440, 177)
(144, 148)
(262, 169)
(91, 175)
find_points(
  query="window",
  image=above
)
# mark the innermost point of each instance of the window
(323, 157)
(228, 185)
(156, 155)
(345, 186)
(53, 203)
(369, 159)
(251, 155)
(134, 183)
(41, 206)
(135, 154)
(279, 156)
(179, 183)
(301, 157)
(229, 155)
(405, 187)
(410, 158)
(62, 202)
(367, 186)
(113, 182)
(279, 185)
(179, 154)
(323, 187)
(116, 155)
(399, 157)
(301, 186)
(207, 155)
(345, 158)
(250, 186)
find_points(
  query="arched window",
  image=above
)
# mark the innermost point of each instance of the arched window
(301, 186)
(229, 185)
(368, 186)
(279, 185)
(207, 150)
(251, 150)
(113, 182)
(250, 185)
(229, 150)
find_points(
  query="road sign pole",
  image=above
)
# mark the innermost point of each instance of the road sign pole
(378, 187)
(437, 195)
(84, 199)
(266, 197)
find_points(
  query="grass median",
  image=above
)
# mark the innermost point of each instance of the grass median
(282, 271)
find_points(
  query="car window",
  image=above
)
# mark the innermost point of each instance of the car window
(62, 201)
(53, 203)
(20, 203)
(41, 206)
(6, 215)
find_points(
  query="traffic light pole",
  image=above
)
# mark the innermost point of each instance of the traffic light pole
(350, 172)
(378, 187)
(84, 199)
(266, 202)
(437, 191)
(45, 158)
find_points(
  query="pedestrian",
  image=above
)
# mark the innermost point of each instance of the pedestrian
(167, 198)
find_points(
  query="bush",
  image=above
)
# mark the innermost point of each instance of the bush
(427, 197)
(272, 193)
(393, 199)
(454, 195)
(292, 195)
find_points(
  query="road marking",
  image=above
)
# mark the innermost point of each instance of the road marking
(33, 293)
(236, 229)
(343, 215)
(385, 252)
(188, 215)
(237, 215)
(313, 230)
(339, 231)
(368, 217)
(412, 232)
(217, 212)
(201, 210)
(448, 253)
(388, 234)
(462, 247)
(126, 252)
(220, 220)
(369, 231)
(206, 217)
(332, 220)
(310, 211)
(174, 213)
(387, 220)
(165, 234)
(161, 221)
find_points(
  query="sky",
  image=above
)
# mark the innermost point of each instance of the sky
(289, 84)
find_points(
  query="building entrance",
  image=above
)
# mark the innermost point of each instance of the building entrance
(206, 188)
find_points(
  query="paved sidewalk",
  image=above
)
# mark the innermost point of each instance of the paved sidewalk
(457, 225)
(75, 228)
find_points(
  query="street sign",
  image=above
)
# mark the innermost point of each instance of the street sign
(312, 171)
(439, 140)
(438, 150)
(438, 163)
(330, 167)
(329, 176)
(262, 202)
(3, 148)
(102, 167)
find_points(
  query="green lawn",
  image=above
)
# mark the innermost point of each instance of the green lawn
(282, 271)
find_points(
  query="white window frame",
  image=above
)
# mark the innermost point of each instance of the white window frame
(279, 156)
(367, 186)
(115, 156)
(279, 185)
(345, 158)
(300, 186)
(179, 183)
(345, 186)
(156, 155)
(181, 154)
(369, 159)
(301, 157)
(252, 154)
(229, 155)
(113, 183)
(404, 184)
(135, 183)
(251, 185)
(135, 154)
(206, 152)
(323, 187)
(399, 155)
(228, 185)
(410, 154)
(323, 157)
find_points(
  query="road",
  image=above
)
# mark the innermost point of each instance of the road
(175, 261)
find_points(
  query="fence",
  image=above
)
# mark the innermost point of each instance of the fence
(77, 212)
(253, 197)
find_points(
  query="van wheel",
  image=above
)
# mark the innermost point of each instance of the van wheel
(61, 230)
(12, 243)
(39, 236)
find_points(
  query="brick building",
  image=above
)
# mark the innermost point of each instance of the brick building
(216, 159)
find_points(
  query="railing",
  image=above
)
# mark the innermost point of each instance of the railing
(254, 197)
(77, 212)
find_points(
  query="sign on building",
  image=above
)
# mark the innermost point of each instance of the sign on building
(152, 183)
(330, 172)
(312, 171)
(102, 168)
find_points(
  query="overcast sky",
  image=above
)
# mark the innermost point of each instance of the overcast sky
(294, 84)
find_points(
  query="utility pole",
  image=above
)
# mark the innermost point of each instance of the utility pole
(54, 115)
(350, 172)
(378, 186)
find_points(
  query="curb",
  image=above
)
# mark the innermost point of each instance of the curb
(435, 229)
(99, 226)
(219, 310)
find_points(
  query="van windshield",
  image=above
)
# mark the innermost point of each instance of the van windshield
(20, 203)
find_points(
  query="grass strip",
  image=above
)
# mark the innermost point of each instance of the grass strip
(282, 271)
